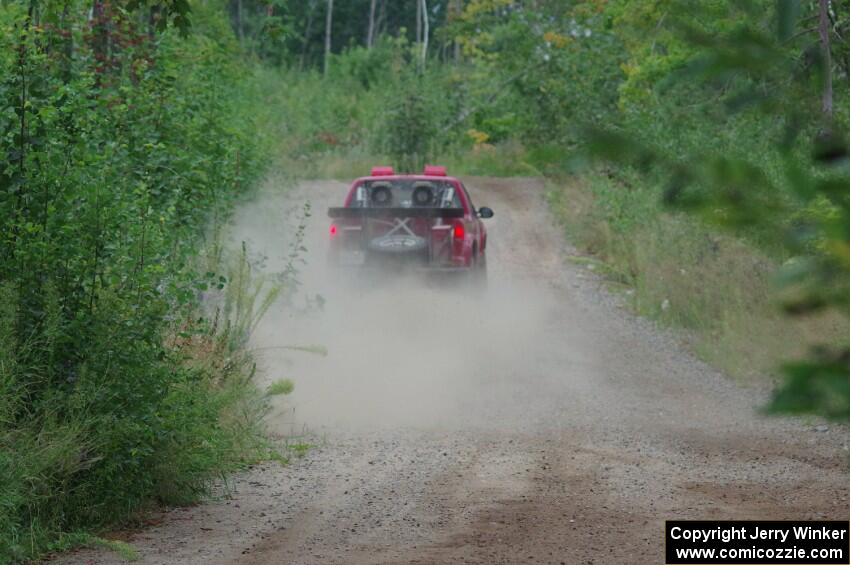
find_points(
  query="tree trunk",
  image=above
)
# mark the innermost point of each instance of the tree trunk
(823, 28)
(418, 22)
(240, 31)
(370, 37)
(458, 11)
(328, 25)
(426, 30)
(382, 18)
(68, 50)
(153, 18)
(100, 40)
(311, 8)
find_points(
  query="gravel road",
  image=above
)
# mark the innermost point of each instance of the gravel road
(538, 423)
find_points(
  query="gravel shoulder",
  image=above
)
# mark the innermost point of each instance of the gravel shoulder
(540, 422)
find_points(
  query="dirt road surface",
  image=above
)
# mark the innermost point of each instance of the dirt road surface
(539, 423)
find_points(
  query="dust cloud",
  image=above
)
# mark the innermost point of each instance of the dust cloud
(403, 350)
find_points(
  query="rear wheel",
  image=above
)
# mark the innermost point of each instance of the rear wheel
(479, 273)
(475, 276)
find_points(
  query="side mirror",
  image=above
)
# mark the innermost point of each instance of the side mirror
(485, 212)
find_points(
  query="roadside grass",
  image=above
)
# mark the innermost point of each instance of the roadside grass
(126, 383)
(336, 163)
(683, 274)
(68, 542)
(211, 423)
(508, 159)
(300, 448)
(280, 387)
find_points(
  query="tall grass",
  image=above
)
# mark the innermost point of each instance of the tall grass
(79, 466)
(674, 269)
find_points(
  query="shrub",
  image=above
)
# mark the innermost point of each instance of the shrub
(117, 391)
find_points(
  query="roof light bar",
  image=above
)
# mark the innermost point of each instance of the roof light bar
(435, 171)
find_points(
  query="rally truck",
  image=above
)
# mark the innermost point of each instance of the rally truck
(426, 221)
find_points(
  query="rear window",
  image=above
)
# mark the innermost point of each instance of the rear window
(406, 194)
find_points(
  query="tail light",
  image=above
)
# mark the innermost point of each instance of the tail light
(459, 232)
(333, 230)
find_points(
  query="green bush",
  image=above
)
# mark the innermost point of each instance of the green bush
(117, 389)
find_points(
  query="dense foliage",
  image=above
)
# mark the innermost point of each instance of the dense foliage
(782, 179)
(119, 141)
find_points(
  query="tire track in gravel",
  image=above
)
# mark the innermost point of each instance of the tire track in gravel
(539, 423)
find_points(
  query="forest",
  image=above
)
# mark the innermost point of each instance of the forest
(695, 153)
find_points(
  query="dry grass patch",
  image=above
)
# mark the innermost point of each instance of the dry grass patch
(717, 287)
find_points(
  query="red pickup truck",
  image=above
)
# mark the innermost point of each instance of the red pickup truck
(426, 220)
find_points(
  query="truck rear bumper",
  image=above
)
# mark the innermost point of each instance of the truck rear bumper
(357, 259)
(407, 267)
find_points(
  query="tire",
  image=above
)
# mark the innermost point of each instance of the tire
(479, 274)
(474, 278)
